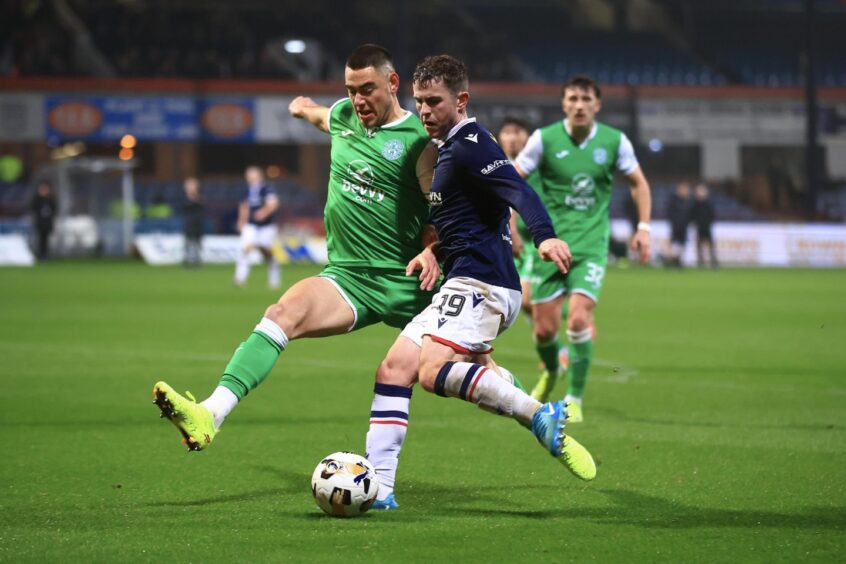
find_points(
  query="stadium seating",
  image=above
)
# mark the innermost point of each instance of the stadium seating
(618, 58)
(713, 44)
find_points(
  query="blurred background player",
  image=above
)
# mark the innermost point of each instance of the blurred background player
(678, 212)
(375, 215)
(702, 215)
(44, 209)
(193, 216)
(576, 159)
(257, 225)
(473, 190)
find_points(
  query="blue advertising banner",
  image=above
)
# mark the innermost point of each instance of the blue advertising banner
(108, 118)
(227, 119)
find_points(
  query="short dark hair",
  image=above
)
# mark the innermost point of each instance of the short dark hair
(442, 68)
(515, 121)
(583, 82)
(370, 55)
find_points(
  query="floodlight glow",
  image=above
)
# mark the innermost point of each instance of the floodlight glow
(295, 46)
(655, 145)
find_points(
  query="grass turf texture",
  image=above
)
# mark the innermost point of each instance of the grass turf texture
(715, 408)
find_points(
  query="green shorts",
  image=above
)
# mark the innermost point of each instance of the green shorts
(585, 277)
(378, 294)
(525, 263)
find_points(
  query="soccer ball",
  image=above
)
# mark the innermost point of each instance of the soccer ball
(344, 484)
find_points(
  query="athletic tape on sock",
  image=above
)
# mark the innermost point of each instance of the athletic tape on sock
(272, 331)
(576, 337)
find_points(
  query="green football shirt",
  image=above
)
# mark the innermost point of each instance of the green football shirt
(577, 180)
(534, 181)
(375, 207)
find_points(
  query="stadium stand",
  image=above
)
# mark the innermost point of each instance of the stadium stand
(706, 44)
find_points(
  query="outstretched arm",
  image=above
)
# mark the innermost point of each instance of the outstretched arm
(305, 108)
(488, 164)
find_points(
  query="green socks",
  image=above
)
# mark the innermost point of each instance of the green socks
(548, 353)
(581, 354)
(250, 364)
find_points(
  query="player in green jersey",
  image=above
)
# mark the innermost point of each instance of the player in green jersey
(576, 159)
(512, 137)
(376, 212)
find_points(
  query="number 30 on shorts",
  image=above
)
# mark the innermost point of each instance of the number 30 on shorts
(594, 274)
(455, 303)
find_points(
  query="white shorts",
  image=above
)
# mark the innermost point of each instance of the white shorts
(258, 235)
(466, 315)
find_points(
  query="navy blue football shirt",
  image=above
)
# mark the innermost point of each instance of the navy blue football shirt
(256, 197)
(473, 188)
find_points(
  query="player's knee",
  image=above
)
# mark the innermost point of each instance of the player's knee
(544, 330)
(275, 312)
(287, 316)
(397, 371)
(578, 321)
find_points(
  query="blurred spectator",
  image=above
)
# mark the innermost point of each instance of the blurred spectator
(781, 185)
(679, 215)
(193, 215)
(44, 211)
(702, 214)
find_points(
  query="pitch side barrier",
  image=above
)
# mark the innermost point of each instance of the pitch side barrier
(814, 245)
(738, 244)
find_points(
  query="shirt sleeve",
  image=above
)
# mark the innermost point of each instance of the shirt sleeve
(489, 167)
(529, 158)
(332, 111)
(626, 159)
(268, 193)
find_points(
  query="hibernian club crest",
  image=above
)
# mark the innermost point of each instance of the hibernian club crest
(393, 149)
(600, 155)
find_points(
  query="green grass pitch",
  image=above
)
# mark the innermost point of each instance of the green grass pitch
(716, 409)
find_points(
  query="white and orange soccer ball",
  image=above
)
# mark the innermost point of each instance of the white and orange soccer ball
(344, 484)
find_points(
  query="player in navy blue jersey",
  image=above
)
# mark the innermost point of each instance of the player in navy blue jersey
(257, 225)
(473, 189)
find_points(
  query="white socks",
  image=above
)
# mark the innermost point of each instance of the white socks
(220, 403)
(388, 426)
(273, 272)
(242, 268)
(476, 384)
